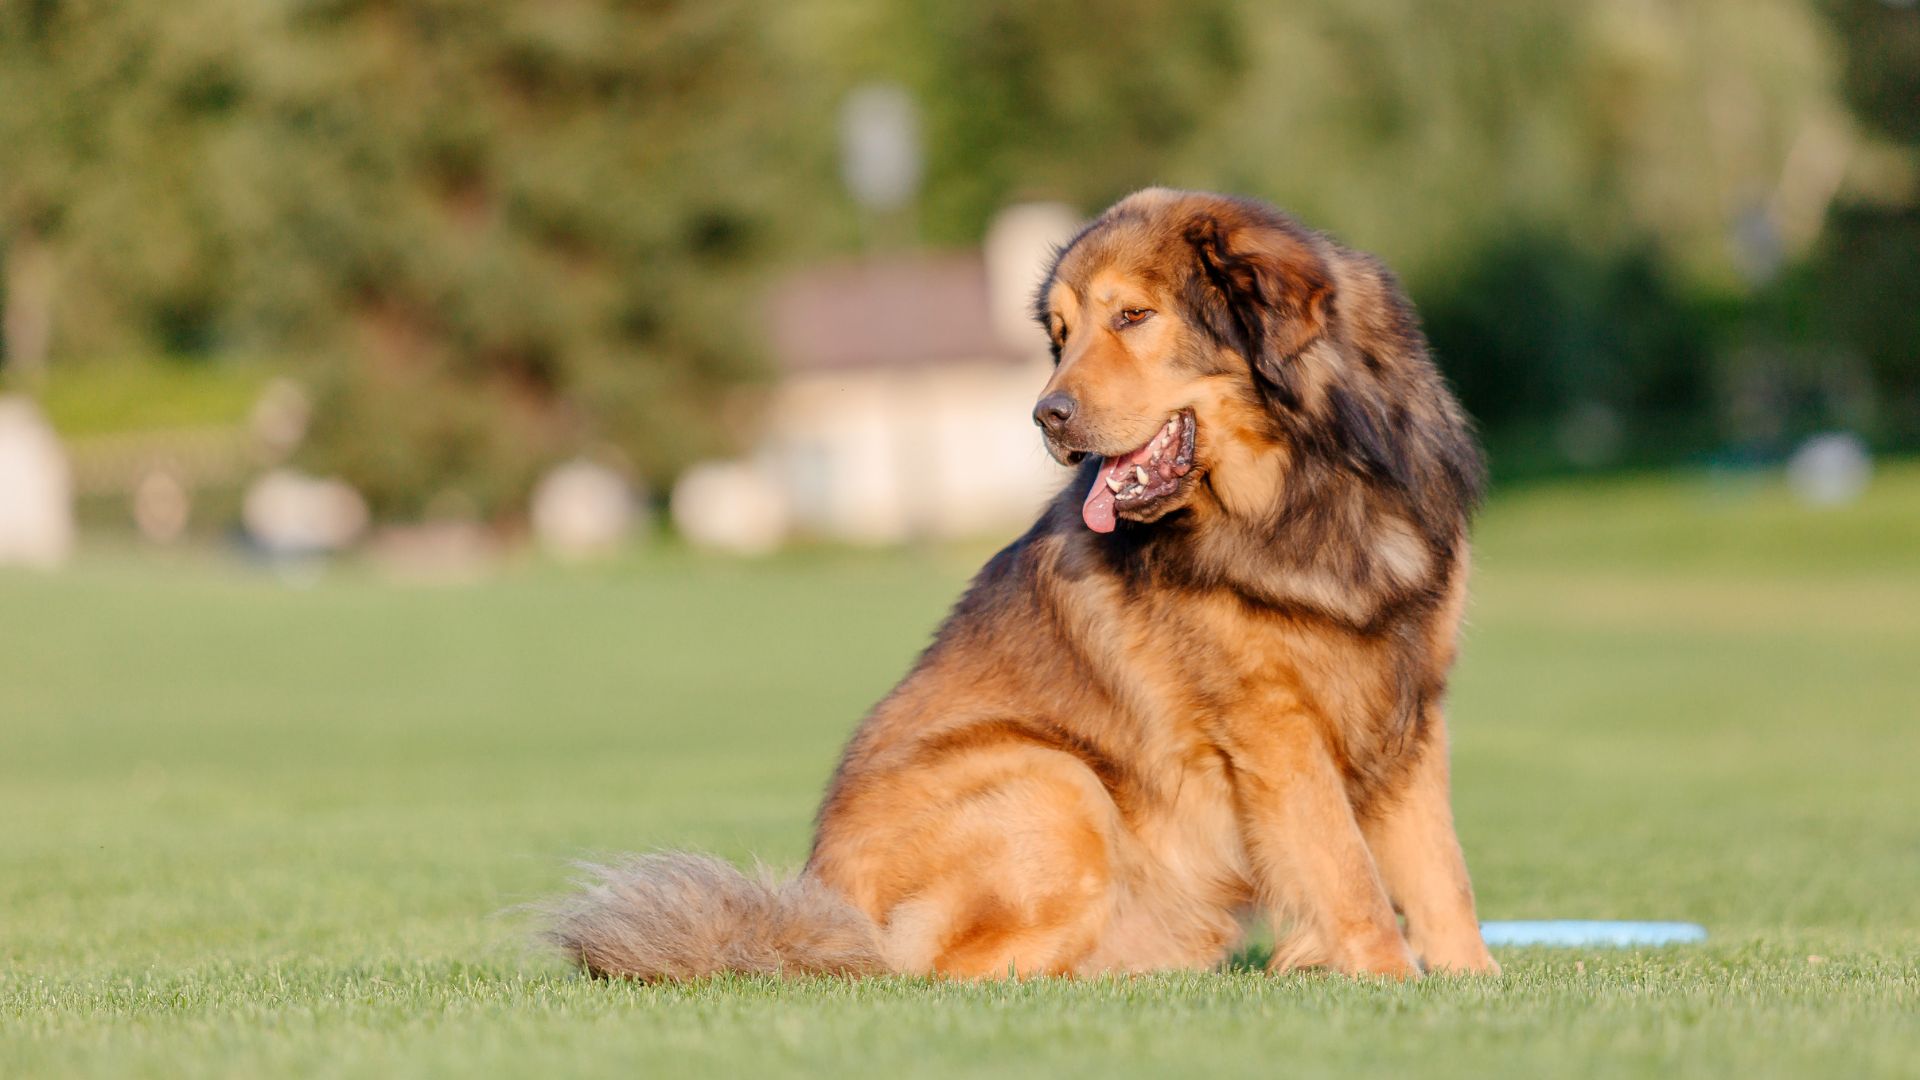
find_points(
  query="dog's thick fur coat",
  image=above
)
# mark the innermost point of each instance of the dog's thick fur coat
(1218, 689)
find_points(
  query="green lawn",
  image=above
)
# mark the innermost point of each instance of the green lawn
(253, 829)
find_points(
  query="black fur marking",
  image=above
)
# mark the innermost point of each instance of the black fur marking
(1241, 302)
(1234, 312)
(1364, 440)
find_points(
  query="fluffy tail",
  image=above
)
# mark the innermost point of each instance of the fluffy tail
(677, 915)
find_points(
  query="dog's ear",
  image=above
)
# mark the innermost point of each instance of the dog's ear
(1262, 289)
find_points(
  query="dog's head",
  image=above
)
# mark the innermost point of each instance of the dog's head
(1176, 319)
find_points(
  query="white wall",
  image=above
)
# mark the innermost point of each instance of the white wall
(879, 457)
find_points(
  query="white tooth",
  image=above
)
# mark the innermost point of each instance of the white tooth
(1113, 484)
(1140, 474)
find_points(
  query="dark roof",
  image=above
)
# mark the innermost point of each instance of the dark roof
(901, 311)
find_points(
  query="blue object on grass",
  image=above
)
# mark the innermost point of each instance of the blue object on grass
(1575, 933)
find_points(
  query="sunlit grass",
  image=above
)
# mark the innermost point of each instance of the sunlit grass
(249, 829)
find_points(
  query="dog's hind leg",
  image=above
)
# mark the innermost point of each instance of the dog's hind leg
(1014, 879)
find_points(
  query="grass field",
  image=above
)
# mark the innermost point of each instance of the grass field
(250, 829)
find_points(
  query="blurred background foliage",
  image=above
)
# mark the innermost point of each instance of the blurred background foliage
(494, 235)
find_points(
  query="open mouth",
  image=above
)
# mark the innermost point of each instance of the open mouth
(1135, 480)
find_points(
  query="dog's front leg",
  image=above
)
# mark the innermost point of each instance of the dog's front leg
(1309, 857)
(1413, 842)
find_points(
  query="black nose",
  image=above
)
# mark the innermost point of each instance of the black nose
(1054, 412)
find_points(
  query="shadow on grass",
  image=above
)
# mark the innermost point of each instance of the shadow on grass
(1252, 957)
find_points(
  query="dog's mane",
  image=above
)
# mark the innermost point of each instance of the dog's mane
(1376, 451)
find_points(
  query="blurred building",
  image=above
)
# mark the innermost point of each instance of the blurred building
(906, 389)
(36, 489)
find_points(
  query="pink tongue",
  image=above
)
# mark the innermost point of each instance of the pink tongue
(1097, 511)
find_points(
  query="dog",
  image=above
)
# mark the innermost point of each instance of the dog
(1207, 682)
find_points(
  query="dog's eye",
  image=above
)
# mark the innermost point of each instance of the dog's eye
(1132, 316)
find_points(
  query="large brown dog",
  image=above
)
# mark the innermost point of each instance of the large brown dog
(1208, 680)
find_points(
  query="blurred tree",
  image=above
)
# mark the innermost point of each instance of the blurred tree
(1867, 274)
(108, 111)
(1426, 130)
(1078, 100)
(498, 234)
(494, 235)
(1600, 336)
(525, 229)
(1575, 192)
